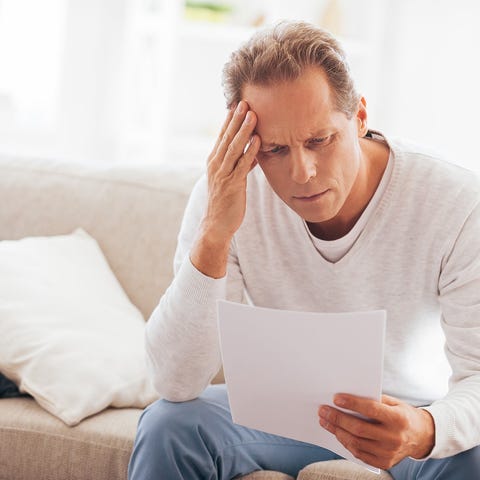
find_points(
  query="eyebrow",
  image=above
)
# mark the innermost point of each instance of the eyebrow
(317, 134)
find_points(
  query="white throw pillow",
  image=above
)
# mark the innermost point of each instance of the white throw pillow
(69, 335)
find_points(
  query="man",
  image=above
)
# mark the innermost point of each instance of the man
(335, 217)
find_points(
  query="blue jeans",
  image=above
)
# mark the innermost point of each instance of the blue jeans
(198, 440)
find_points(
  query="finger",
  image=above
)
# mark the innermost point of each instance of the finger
(226, 122)
(247, 161)
(354, 425)
(373, 460)
(369, 451)
(379, 459)
(367, 407)
(353, 444)
(236, 148)
(232, 125)
(238, 131)
(392, 401)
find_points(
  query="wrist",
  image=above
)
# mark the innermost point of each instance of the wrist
(209, 253)
(427, 435)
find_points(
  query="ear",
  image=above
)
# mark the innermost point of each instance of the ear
(361, 117)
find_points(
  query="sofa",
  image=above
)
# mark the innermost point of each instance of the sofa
(134, 213)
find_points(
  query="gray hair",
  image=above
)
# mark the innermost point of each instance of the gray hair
(282, 53)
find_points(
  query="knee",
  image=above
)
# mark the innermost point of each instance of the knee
(165, 421)
(163, 435)
(175, 437)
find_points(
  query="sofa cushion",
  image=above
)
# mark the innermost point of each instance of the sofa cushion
(134, 213)
(266, 475)
(339, 470)
(69, 335)
(36, 445)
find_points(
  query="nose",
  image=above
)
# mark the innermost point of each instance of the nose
(302, 166)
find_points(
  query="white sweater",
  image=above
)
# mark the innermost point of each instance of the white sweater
(418, 258)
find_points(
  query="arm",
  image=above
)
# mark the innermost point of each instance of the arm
(181, 335)
(450, 425)
(456, 415)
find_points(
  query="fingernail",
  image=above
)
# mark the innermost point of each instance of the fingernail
(340, 401)
(249, 117)
(323, 411)
(240, 107)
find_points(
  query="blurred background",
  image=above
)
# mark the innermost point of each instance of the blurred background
(139, 81)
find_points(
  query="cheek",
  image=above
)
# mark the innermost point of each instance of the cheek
(268, 169)
(350, 169)
(345, 166)
(275, 175)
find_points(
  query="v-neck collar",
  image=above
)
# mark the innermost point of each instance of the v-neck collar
(373, 224)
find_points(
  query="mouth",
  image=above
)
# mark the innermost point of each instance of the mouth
(311, 198)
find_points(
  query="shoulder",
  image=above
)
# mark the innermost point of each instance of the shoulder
(425, 174)
(265, 209)
(195, 207)
(257, 184)
(260, 195)
(262, 201)
(419, 159)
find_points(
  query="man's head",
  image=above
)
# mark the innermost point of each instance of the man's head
(309, 120)
(283, 53)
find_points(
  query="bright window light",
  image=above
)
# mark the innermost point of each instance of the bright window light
(31, 48)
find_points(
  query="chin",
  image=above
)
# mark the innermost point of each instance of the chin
(317, 211)
(318, 217)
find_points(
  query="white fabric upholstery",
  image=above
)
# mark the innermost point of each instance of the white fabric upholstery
(134, 213)
(340, 470)
(69, 336)
(35, 445)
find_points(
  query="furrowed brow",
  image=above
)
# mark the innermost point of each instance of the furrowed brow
(271, 144)
(318, 133)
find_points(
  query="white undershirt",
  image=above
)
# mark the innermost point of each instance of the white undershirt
(334, 250)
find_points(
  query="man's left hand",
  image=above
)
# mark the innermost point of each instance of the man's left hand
(394, 430)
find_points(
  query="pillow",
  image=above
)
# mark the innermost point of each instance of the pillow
(69, 336)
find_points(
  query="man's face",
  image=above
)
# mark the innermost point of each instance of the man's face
(310, 152)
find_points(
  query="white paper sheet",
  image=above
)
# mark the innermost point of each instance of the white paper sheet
(280, 366)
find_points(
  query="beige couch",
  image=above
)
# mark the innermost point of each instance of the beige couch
(134, 213)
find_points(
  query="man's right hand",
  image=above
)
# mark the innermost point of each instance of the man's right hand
(228, 167)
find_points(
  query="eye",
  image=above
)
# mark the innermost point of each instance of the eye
(276, 149)
(320, 140)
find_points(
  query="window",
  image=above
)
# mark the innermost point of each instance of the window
(32, 38)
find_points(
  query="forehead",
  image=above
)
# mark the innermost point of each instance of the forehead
(292, 108)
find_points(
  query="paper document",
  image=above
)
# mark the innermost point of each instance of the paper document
(280, 366)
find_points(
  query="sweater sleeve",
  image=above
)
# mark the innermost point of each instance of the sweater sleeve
(183, 351)
(457, 415)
